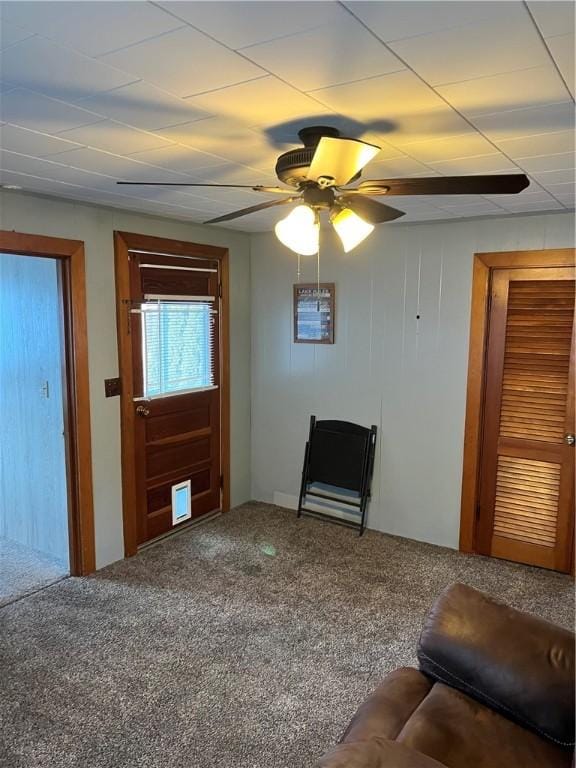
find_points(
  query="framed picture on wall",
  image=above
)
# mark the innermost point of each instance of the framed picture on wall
(314, 313)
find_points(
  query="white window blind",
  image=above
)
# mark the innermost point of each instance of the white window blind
(177, 346)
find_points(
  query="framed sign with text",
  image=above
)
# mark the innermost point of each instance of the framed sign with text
(314, 313)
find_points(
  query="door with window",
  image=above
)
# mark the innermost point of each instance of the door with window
(526, 496)
(173, 321)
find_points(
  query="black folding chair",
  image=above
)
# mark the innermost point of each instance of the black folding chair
(338, 454)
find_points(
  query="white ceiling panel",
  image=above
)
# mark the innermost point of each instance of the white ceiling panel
(557, 162)
(397, 20)
(228, 139)
(518, 123)
(452, 148)
(239, 24)
(41, 113)
(475, 165)
(178, 158)
(388, 97)
(93, 92)
(33, 143)
(553, 17)
(485, 48)
(562, 49)
(143, 106)
(184, 62)
(11, 33)
(85, 27)
(322, 57)
(525, 89)
(125, 168)
(43, 66)
(265, 101)
(115, 137)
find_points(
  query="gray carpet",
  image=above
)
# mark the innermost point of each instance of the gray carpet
(24, 570)
(245, 643)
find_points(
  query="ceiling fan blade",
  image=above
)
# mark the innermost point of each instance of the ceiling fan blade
(498, 184)
(252, 209)
(255, 188)
(340, 159)
(370, 210)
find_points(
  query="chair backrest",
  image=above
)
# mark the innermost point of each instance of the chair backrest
(339, 454)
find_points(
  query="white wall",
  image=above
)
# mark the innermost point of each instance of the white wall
(95, 226)
(388, 368)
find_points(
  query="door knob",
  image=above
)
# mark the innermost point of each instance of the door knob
(142, 411)
(570, 439)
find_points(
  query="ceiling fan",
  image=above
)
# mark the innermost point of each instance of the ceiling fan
(317, 176)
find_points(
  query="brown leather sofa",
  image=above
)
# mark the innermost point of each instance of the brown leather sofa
(495, 689)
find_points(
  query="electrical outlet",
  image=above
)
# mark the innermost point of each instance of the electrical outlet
(112, 387)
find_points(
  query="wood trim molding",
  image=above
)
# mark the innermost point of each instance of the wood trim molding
(124, 242)
(70, 253)
(484, 263)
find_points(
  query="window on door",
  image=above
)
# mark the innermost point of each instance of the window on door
(178, 347)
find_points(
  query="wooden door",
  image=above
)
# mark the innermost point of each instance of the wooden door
(526, 500)
(175, 330)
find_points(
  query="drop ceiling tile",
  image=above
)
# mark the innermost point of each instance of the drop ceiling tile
(480, 207)
(228, 139)
(455, 147)
(550, 178)
(440, 123)
(264, 101)
(475, 165)
(32, 110)
(238, 25)
(11, 33)
(48, 169)
(517, 123)
(541, 144)
(562, 49)
(320, 62)
(512, 90)
(48, 68)
(119, 167)
(386, 98)
(552, 17)
(184, 62)
(90, 26)
(177, 158)
(540, 164)
(397, 20)
(143, 106)
(115, 137)
(399, 166)
(461, 53)
(525, 207)
(32, 143)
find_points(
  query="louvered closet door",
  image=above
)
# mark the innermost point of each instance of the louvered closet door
(527, 472)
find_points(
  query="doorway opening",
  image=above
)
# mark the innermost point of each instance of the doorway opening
(46, 516)
(172, 314)
(518, 476)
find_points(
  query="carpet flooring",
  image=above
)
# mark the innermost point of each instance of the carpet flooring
(247, 642)
(24, 570)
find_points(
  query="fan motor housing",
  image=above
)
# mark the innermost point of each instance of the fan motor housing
(292, 166)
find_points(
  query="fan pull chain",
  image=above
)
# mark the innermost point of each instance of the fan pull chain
(318, 277)
(298, 272)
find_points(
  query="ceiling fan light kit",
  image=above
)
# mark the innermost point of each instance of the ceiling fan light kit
(317, 176)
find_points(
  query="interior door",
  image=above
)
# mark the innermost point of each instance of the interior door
(526, 509)
(175, 329)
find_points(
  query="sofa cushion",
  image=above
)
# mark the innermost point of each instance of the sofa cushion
(385, 712)
(375, 753)
(511, 661)
(459, 732)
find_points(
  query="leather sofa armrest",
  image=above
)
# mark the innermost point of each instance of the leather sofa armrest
(376, 753)
(513, 662)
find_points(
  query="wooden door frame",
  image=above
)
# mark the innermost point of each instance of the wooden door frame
(484, 264)
(123, 243)
(70, 254)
